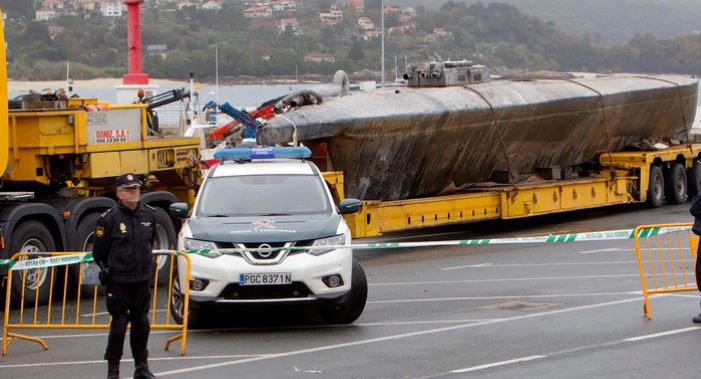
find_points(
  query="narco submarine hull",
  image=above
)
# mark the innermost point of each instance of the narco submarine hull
(397, 143)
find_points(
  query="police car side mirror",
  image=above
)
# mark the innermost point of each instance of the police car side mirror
(348, 206)
(179, 210)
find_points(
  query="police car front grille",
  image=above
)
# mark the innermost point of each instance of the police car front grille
(289, 291)
(262, 255)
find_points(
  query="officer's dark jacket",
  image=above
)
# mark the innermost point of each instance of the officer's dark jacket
(123, 243)
(695, 211)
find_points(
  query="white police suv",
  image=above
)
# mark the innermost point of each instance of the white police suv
(265, 230)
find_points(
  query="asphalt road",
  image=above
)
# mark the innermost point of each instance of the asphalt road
(503, 311)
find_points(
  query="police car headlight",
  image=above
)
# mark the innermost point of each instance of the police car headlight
(205, 248)
(324, 245)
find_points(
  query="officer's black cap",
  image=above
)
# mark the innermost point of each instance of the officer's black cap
(127, 181)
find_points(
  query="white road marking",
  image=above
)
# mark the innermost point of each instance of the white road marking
(569, 351)
(681, 295)
(396, 337)
(482, 265)
(98, 314)
(616, 249)
(663, 334)
(442, 282)
(395, 323)
(493, 265)
(463, 298)
(496, 364)
(102, 361)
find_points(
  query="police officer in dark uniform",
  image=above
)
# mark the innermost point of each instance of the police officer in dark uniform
(695, 211)
(122, 248)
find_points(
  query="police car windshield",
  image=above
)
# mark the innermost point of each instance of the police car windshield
(259, 195)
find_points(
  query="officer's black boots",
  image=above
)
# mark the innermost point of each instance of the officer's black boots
(697, 319)
(112, 369)
(142, 371)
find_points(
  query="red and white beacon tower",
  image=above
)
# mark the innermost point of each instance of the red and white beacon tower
(134, 79)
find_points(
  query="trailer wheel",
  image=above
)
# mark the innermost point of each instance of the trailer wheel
(655, 191)
(32, 237)
(165, 240)
(676, 184)
(693, 176)
(85, 235)
(352, 305)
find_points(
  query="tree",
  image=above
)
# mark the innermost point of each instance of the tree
(17, 9)
(356, 51)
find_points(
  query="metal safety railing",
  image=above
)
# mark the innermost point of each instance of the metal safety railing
(67, 309)
(666, 260)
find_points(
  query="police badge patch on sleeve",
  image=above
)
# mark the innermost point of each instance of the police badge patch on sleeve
(99, 231)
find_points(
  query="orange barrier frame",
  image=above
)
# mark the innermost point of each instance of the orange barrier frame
(8, 336)
(667, 262)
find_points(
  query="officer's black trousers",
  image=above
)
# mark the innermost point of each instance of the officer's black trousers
(698, 266)
(128, 302)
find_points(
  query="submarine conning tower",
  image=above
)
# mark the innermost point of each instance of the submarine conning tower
(447, 73)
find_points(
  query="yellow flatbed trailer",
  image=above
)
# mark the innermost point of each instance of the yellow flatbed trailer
(619, 180)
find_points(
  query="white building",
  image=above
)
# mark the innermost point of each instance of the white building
(112, 8)
(212, 5)
(45, 14)
(258, 11)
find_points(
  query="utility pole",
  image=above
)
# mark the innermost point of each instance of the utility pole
(382, 22)
(216, 71)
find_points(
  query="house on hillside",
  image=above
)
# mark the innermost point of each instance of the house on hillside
(393, 10)
(438, 34)
(409, 11)
(212, 5)
(86, 5)
(55, 31)
(320, 58)
(357, 6)
(374, 33)
(258, 11)
(52, 4)
(365, 23)
(112, 8)
(407, 22)
(333, 17)
(290, 24)
(186, 3)
(283, 5)
(157, 49)
(45, 14)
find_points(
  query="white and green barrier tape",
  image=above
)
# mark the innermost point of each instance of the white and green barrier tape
(609, 235)
(58, 260)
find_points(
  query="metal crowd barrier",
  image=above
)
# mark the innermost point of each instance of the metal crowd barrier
(67, 309)
(666, 261)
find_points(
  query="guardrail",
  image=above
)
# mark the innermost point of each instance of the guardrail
(666, 261)
(66, 309)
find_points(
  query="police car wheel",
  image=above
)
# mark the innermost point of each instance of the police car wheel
(177, 305)
(31, 237)
(352, 304)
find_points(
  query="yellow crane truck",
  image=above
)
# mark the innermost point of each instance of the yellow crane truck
(60, 157)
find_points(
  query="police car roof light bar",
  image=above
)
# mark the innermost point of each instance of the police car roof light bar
(247, 154)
